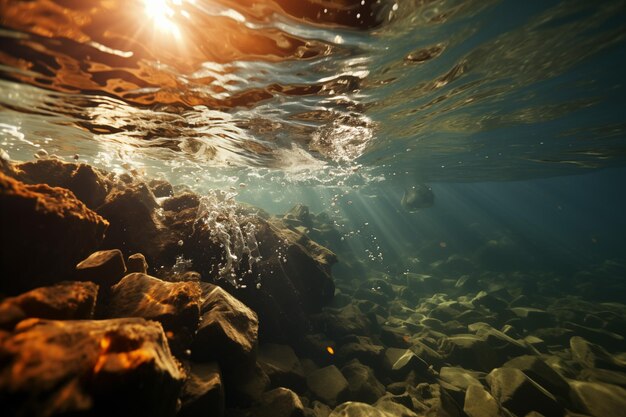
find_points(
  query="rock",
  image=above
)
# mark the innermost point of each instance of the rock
(362, 383)
(203, 391)
(135, 225)
(137, 263)
(438, 401)
(460, 377)
(356, 409)
(489, 301)
(60, 231)
(521, 395)
(161, 188)
(603, 337)
(480, 403)
(246, 385)
(541, 373)
(227, 333)
(176, 305)
(470, 351)
(533, 318)
(105, 268)
(603, 375)
(361, 348)
(321, 409)
(401, 361)
(298, 215)
(103, 367)
(590, 355)
(599, 400)
(63, 301)
(393, 409)
(88, 184)
(347, 320)
(282, 366)
(279, 402)
(328, 385)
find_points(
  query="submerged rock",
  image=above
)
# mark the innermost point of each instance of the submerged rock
(105, 367)
(63, 301)
(59, 229)
(328, 385)
(203, 392)
(228, 332)
(105, 267)
(520, 394)
(176, 305)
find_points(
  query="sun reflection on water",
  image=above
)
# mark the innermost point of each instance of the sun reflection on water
(162, 13)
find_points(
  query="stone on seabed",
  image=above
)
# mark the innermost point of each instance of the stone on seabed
(97, 367)
(59, 229)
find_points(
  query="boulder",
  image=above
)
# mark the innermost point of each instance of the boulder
(362, 383)
(590, 355)
(59, 229)
(459, 377)
(328, 385)
(203, 391)
(470, 351)
(137, 263)
(228, 332)
(176, 305)
(105, 268)
(599, 400)
(520, 394)
(63, 301)
(537, 370)
(88, 367)
(90, 185)
(480, 403)
(279, 402)
(357, 409)
(282, 366)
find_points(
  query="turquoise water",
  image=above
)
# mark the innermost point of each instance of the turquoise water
(513, 112)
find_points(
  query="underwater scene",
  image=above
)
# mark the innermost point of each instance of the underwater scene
(313, 208)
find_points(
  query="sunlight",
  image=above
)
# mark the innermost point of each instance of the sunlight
(162, 14)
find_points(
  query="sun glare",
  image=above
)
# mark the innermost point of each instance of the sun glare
(162, 13)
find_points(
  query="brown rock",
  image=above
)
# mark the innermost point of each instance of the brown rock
(203, 392)
(137, 263)
(88, 184)
(227, 333)
(63, 301)
(104, 367)
(60, 231)
(176, 305)
(105, 268)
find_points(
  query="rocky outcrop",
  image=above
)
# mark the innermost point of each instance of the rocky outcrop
(45, 232)
(108, 367)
